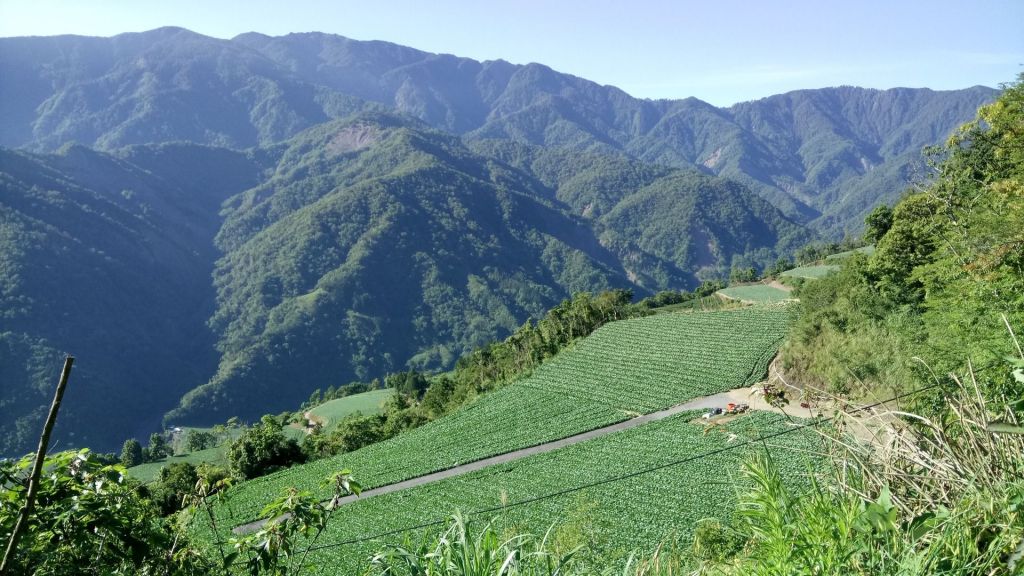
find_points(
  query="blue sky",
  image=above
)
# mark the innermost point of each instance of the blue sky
(722, 51)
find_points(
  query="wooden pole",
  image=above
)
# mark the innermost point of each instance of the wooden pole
(37, 467)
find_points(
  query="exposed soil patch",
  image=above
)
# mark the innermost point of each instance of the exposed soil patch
(352, 138)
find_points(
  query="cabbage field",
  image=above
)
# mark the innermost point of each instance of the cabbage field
(623, 369)
(646, 364)
(623, 513)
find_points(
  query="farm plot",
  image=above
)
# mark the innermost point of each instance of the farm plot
(756, 293)
(150, 471)
(812, 272)
(623, 369)
(646, 364)
(333, 411)
(631, 510)
(502, 421)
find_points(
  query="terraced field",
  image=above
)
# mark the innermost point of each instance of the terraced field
(812, 272)
(756, 293)
(624, 368)
(626, 509)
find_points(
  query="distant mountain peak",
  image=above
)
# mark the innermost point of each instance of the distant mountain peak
(805, 151)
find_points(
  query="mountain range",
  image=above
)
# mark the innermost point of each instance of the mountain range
(218, 227)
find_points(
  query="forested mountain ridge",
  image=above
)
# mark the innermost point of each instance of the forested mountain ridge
(640, 209)
(823, 156)
(358, 247)
(164, 85)
(109, 257)
(380, 244)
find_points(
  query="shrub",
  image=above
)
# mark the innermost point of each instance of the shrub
(263, 449)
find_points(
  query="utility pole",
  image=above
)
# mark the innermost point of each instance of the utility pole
(37, 467)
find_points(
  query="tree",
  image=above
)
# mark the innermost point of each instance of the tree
(780, 266)
(158, 447)
(88, 519)
(708, 287)
(200, 440)
(262, 449)
(356, 431)
(877, 223)
(436, 398)
(412, 383)
(177, 480)
(131, 453)
(738, 274)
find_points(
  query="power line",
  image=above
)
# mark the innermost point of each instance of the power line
(715, 452)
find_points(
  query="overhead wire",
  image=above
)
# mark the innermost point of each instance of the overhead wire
(760, 439)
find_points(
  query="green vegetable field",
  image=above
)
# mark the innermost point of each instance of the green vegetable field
(646, 364)
(813, 272)
(331, 412)
(150, 471)
(757, 293)
(624, 368)
(624, 512)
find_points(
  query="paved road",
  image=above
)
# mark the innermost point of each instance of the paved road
(738, 395)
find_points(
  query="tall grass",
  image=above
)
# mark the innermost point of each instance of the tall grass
(458, 553)
(912, 496)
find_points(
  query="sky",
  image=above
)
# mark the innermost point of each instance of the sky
(721, 51)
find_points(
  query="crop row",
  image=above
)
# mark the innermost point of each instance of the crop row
(628, 367)
(651, 363)
(627, 513)
(509, 419)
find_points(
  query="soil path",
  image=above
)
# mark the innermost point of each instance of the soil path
(738, 395)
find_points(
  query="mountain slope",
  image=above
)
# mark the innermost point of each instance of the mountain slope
(164, 85)
(668, 226)
(380, 244)
(373, 244)
(819, 155)
(107, 257)
(805, 151)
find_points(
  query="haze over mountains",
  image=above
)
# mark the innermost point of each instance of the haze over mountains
(243, 221)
